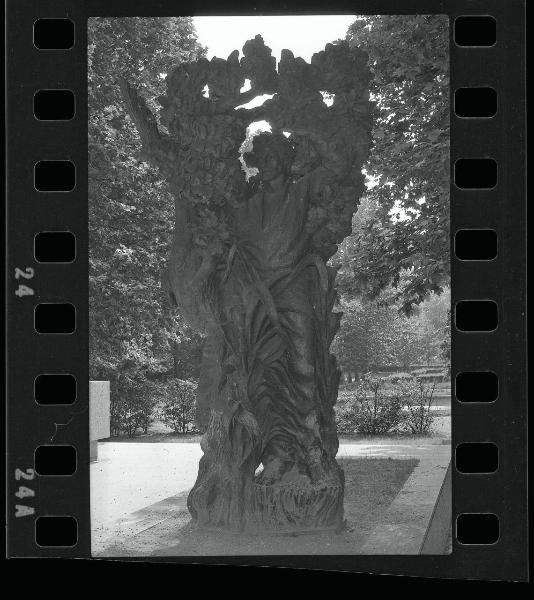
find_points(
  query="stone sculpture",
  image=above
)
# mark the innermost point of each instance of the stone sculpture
(248, 268)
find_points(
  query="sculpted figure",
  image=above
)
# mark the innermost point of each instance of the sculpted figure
(248, 268)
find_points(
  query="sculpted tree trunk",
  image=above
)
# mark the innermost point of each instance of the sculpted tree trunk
(248, 268)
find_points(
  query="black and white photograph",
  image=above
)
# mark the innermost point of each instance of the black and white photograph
(269, 285)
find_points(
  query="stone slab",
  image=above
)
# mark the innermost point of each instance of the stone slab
(99, 410)
(438, 534)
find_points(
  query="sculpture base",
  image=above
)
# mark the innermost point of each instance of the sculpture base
(298, 508)
(269, 533)
(291, 508)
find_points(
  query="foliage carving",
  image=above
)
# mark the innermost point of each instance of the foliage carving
(248, 268)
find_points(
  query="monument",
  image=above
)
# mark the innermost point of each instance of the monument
(249, 268)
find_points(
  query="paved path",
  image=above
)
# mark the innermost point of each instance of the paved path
(129, 477)
(405, 523)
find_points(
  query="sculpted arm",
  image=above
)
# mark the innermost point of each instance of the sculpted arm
(158, 148)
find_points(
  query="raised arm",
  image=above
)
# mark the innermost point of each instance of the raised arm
(157, 147)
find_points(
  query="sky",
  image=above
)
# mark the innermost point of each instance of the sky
(303, 35)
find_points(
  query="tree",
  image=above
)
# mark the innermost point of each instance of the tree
(429, 342)
(433, 320)
(375, 333)
(133, 402)
(406, 337)
(178, 405)
(406, 243)
(445, 346)
(132, 326)
(364, 337)
(248, 267)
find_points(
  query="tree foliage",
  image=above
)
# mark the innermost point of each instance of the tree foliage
(131, 212)
(178, 405)
(398, 253)
(373, 334)
(404, 241)
(132, 403)
(372, 409)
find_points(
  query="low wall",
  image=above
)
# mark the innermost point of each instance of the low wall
(419, 520)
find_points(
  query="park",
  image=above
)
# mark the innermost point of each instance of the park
(269, 292)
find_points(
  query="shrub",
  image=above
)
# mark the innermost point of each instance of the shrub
(378, 413)
(346, 413)
(142, 410)
(177, 408)
(131, 416)
(420, 371)
(118, 410)
(396, 377)
(416, 396)
(369, 410)
(134, 398)
(432, 377)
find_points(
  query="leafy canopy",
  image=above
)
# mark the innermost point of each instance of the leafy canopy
(130, 209)
(404, 240)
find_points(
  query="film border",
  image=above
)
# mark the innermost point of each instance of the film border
(502, 280)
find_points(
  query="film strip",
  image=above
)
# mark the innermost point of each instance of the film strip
(47, 288)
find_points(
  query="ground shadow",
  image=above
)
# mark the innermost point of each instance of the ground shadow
(371, 484)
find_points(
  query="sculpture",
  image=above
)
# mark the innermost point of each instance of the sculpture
(248, 267)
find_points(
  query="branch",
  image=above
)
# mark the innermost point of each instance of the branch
(157, 147)
(333, 161)
(246, 97)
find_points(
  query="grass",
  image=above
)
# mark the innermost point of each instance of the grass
(371, 484)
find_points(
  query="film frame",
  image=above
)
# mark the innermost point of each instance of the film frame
(502, 350)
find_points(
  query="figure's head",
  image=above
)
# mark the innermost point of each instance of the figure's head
(272, 155)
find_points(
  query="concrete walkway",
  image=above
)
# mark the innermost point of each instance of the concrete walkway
(136, 485)
(130, 476)
(405, 523)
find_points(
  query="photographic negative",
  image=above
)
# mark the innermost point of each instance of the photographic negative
(269, 285)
